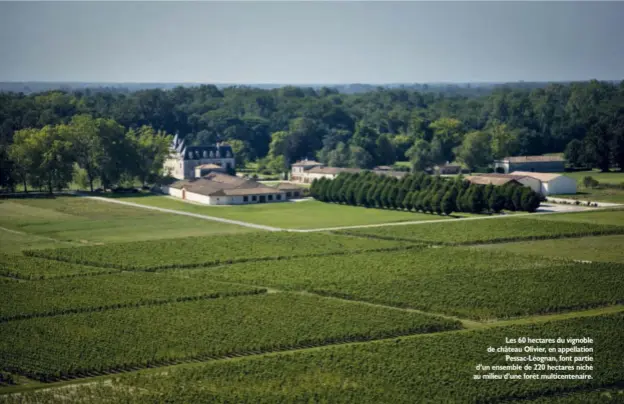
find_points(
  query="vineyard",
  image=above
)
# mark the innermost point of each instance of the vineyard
(49, 348)
(206, 251)
(434, 368)
(389, 314)
(468, 283)
(485, 231)
(23, 267)
(92, 293)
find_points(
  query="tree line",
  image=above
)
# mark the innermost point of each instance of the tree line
(275, 127)
(84, 151)
(422, 192)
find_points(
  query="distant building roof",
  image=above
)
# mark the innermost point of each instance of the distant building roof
(218, 184)
(307, 163)
(544, 177)
(497, 175)
(533, 159)
(482, 180)
(333, 170)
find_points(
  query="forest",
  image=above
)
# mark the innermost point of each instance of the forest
(276, 127)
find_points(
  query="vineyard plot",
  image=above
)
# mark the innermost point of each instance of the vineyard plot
(22, 267)
(471, 283)
(70, 295)
(432, 368)
(78, 344)
(485, 231)
(197, 251)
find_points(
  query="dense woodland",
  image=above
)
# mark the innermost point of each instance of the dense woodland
(276, 127)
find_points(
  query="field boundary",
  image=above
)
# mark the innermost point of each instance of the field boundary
(129, 367)
(180, 212)
(207, 264)
(94, 377)
(272, 228)
(156, 302)
(615, 231)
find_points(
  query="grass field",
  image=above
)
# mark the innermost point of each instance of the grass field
(73, 345)
(486, 231)
(602, 248)
(292, 215)
(83, 221)
(429, 368)
(476, 284)
(597, 194)
(201, 251)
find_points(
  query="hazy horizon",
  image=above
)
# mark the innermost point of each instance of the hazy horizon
(310, 43)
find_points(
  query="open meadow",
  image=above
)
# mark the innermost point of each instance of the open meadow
(102, 302)
(67, 220)
(291, 215)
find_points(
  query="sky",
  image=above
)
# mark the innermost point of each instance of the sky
(318, 42)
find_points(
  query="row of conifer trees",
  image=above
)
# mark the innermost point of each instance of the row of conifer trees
(423, 192)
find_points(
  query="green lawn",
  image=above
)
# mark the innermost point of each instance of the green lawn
(597, 194)
(602, 248)
(291, 215)
(615, 177)
(40, 221)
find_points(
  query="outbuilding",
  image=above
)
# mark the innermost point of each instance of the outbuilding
(551, 184)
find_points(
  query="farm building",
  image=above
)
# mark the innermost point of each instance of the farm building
(523, 180)
(543, 164)
(486, 180)
(222, 189)
(183, 159)
(307, 171)
(299, 169)
(551, 184)
(542, 183)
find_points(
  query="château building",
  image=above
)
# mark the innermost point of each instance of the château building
(184, 159)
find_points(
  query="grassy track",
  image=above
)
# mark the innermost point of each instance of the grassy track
(606, 217)
(486, 231)
(85, 221)
(294, 215)
(74, 345)
(473, 284)
(434, 368)
(198, 251)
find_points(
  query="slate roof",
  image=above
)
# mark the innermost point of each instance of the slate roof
(206, 152)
